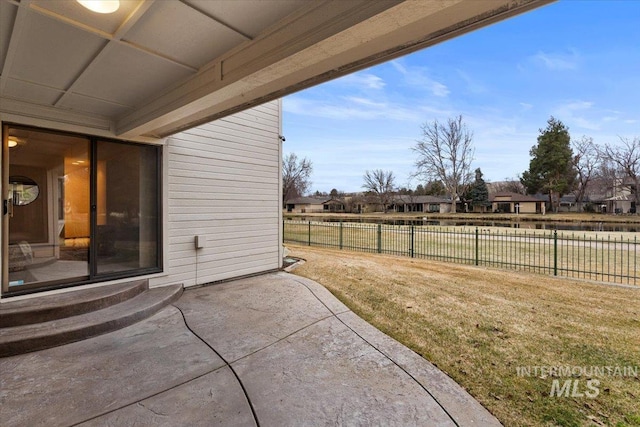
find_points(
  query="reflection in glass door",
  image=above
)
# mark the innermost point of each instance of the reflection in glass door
(127, 208)
(48, 208)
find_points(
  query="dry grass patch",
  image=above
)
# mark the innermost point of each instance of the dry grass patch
(480, 325)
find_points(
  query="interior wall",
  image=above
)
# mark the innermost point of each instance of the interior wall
(30, 221)
(76, 197)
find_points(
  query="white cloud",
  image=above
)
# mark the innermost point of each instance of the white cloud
(365, 101)
(438, 89)
(577, 106)
(580, 114)
(418, 77)
(526, 105)
(586, 123)
(472, 84)
(557, 61)
(362, 81)
(349, 108)
(341, 162)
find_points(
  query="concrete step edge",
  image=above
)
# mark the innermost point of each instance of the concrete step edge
(34, 337)
(68, 304)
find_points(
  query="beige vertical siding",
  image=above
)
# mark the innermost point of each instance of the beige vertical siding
(223, 182)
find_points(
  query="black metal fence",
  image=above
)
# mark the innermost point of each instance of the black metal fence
(586, 256)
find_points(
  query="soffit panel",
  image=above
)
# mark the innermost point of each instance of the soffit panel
(182, 33)
(31, 92)
(74, 11)
(85, 104)
(128, 76)
(7, 18)
(52, 53)
(249, 16)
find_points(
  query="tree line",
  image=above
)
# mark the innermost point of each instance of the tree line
(558, 166)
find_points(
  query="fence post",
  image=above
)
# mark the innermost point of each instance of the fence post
(411, 248)
(477, 248)
(379, 238)
(555, 252)
(309, 233)
(340, 234)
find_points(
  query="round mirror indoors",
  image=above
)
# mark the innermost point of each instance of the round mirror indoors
(24, 190)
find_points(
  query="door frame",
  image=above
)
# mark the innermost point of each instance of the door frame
(4, 187)
(92, 277)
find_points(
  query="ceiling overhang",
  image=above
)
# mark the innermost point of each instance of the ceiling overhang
(157, 67)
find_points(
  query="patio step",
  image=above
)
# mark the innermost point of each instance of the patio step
(72, 303)
(64, 329)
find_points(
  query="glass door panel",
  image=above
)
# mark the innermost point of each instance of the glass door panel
(49, 215)
(126, 207)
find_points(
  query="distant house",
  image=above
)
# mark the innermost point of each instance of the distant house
(333, 206)
(613, 197)
(305, 205)
(427, 204)
(619, 203)
(471, 208)
(568, 203)
(622, 199)
(507, 202)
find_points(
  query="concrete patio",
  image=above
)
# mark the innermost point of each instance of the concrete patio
(271, 350)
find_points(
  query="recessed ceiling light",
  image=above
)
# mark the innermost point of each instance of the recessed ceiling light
(12, 142)
(101, 6)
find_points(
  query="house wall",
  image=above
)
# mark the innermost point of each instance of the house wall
(445, 207)
(527, 207)
(222, 182)
(307, 209)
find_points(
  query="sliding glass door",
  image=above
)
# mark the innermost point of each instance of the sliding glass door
(127, 207)
(77, 209)
(47, 201)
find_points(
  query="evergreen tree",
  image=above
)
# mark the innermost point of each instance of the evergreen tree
(478, 194)
(551, 169)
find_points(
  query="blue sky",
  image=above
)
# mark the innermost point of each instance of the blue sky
(576, 60)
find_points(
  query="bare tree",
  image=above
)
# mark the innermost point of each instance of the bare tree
(381, 184)
(511, 185)
(295, 176)
(586, 161)
(605, 179)
(445, 153)
(627, 159)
